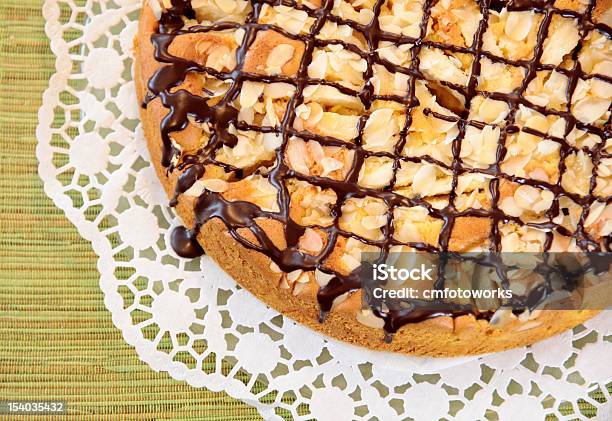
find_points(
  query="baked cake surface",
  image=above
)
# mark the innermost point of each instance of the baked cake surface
(293, 137)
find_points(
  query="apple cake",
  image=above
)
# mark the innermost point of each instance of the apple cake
(294, 137)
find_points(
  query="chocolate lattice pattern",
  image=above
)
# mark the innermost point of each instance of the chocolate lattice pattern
(388, 126)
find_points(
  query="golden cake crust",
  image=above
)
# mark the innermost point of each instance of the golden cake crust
(440, 336)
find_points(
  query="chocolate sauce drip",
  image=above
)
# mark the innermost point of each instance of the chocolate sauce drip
(186, 180)
(185, 243)
(236, 215)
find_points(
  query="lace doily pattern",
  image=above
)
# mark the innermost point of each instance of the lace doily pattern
(190, 319)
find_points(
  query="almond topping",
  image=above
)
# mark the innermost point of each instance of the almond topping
(278, 57)
(518, 25)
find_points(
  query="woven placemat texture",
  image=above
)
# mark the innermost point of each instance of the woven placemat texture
(57, 341)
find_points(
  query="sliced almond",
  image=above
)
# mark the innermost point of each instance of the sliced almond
(250, 92)
(278, 57)
(518, 25)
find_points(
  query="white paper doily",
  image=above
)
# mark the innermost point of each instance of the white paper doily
(190, 319)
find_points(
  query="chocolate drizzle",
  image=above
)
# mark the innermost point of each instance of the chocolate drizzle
(185, 243)
(241, 214)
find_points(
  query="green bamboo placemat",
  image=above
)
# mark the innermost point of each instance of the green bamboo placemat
(57, 340)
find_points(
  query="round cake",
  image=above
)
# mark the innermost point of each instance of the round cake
(294, 138)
